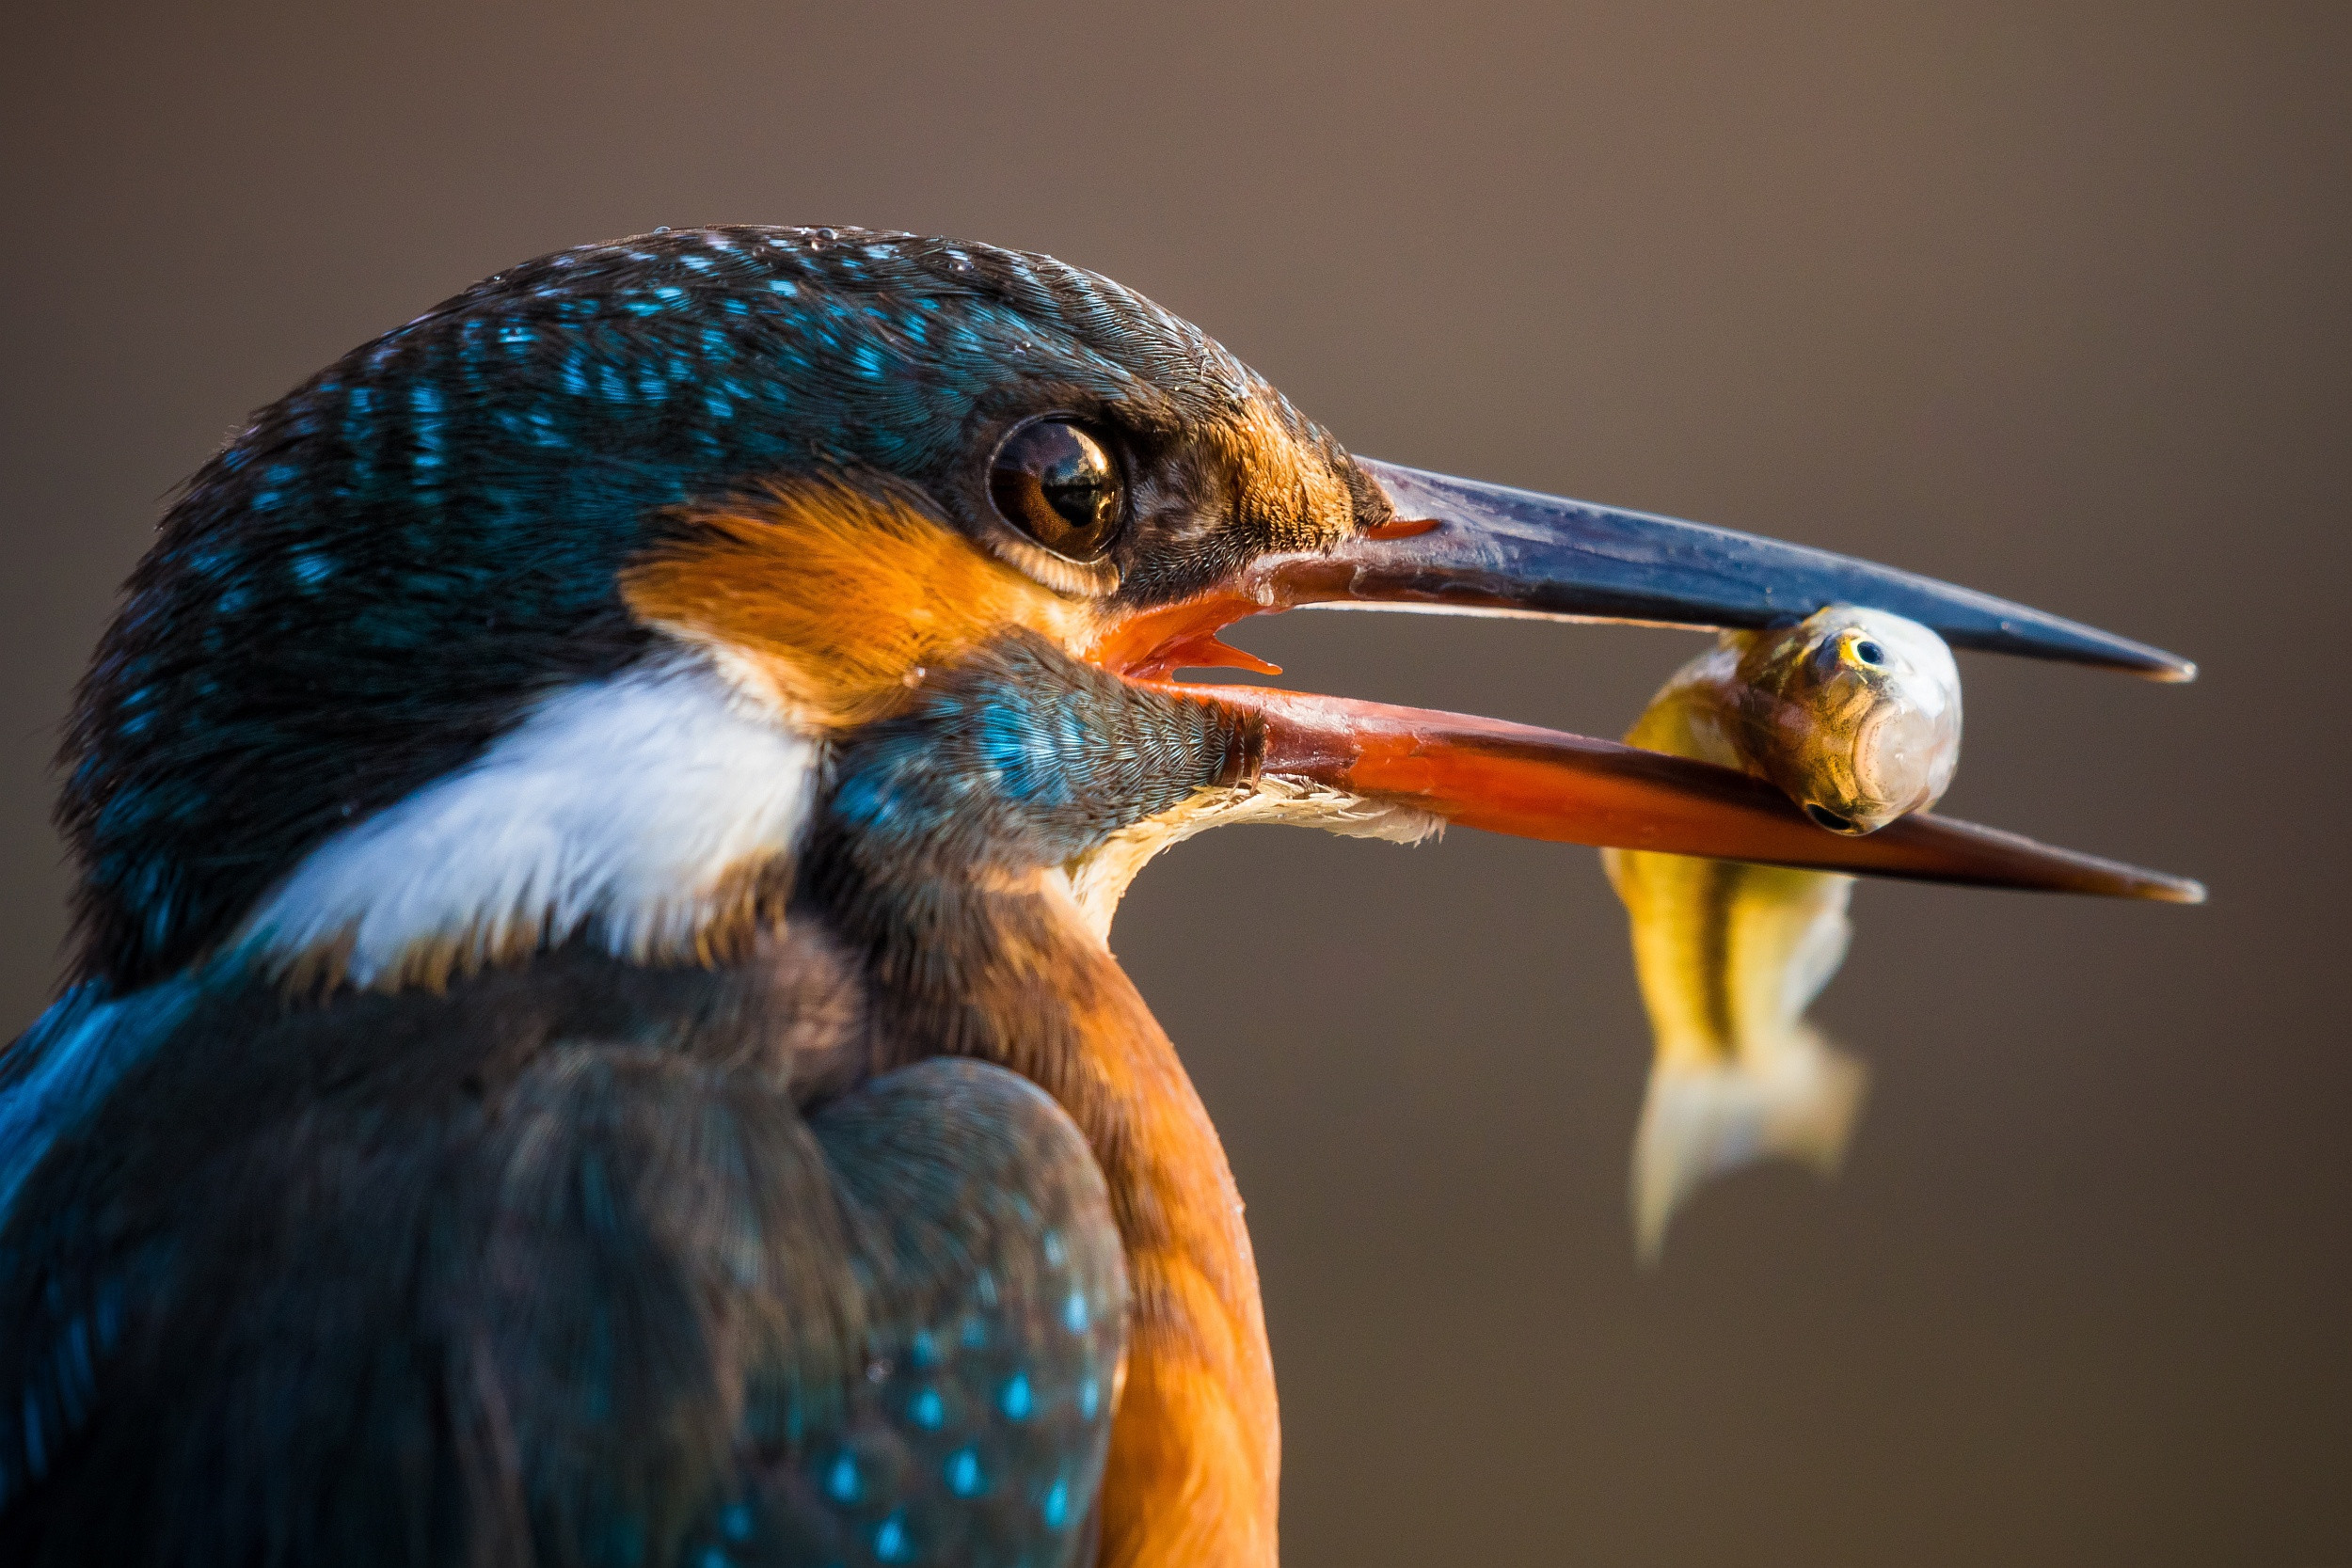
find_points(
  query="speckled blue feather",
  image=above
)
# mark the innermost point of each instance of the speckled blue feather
(397, 556)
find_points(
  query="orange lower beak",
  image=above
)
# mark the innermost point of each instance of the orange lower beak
(1569, 788)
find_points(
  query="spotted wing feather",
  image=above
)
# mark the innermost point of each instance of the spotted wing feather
(403, 1283)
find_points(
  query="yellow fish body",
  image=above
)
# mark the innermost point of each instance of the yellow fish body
(1855, 715)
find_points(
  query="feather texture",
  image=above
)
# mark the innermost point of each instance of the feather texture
(647, 811)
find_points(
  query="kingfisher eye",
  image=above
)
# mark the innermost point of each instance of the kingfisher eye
(1060, 486)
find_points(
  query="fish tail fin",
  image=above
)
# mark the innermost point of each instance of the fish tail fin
(1795, 1101)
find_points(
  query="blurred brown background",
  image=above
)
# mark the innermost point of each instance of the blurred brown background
(2053, 300)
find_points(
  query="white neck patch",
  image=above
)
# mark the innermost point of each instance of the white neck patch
(633, 809)
(1100, 877)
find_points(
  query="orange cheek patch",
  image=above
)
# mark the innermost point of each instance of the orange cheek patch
(1286, 487)
(837, 600)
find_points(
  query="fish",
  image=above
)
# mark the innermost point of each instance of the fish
(1854, 714)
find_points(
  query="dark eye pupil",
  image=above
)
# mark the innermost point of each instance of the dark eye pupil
(1058, 485)
(1869, 653)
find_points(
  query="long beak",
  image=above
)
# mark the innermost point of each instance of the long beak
(1486, 548)
(1540, 783)
(1455, 544)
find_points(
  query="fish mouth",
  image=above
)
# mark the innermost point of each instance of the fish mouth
(1459, 547)
(1821, 817)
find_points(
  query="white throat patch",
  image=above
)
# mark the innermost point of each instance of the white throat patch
(1100, 877)
(637, 810)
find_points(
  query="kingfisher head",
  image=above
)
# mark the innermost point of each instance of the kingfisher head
(579, 607)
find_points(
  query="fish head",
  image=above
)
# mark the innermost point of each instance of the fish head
(1854, 713)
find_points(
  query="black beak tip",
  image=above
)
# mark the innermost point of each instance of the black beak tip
(2048, 637)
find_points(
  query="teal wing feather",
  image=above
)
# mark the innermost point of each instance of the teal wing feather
(386, 1295)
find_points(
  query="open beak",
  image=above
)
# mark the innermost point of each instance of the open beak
(1461, 547)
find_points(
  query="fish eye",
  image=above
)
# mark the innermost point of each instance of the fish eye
(1057, 484)
(1866, 653)
(1825, 818)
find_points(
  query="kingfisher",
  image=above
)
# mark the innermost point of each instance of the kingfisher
(590, 1038)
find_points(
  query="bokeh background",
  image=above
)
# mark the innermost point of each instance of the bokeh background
(2055, 300)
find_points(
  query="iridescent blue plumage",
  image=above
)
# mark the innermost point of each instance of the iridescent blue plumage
(683, 1266)
(641, 1287)
(426, 534)
(595, 1045)
(1025, 756)
(976, 1438)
